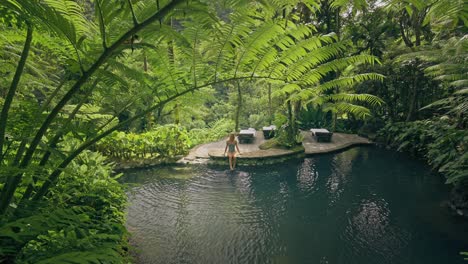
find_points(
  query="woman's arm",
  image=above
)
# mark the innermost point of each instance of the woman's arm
(225, 149)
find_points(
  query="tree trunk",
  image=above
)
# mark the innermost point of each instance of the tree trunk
(413, 100)
(333, 121)
(13, 87)
(270, 109)
(417, 29)
(408, 42)
(170, 46)
(338, 23)
(417, 32)
(177, 114)
(239, 105)
(290, 127)
(159, 114)
(145, 63)
(328, 18)
(297, 109)
(8, 190)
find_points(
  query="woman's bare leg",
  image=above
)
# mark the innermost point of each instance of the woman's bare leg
(234, 162)
(230, 162)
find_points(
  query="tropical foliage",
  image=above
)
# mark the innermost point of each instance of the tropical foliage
(87, 69)
(215, 131)
(152, 78)
(83, 219)
(440, 142)
(164, 141)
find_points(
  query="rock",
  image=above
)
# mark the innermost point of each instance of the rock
(459, 200)
(452, 206)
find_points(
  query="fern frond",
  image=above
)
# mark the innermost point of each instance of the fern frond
(259, 39)
(353, 98)
(464, 90)
(452, 77)
(360, 112)
(324, 68)
(286, 90)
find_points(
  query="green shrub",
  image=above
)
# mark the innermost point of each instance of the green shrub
(439, 142)
(286, 136)
(216, 131)
(164, 141)
(258, 120)
(83, 219)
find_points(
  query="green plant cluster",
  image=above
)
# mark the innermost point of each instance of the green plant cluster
(287, 137)
(216, 131)
(76, 71)
(442, 144)
(165, 141)
(83, 220)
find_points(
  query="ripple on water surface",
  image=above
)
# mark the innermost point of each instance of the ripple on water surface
(364, 205)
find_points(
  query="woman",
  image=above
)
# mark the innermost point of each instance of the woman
(231, 145)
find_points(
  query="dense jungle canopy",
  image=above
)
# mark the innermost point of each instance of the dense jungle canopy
(83, 82)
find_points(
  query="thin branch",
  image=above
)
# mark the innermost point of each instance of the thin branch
(116, 114)
(14, 86)
(194, 60)
(54, 93)
(102, 26)
(78, 56)
(403, 34)
(55, 140)
(157, 8)
(7, 193)
(86, 75)
(135, 21)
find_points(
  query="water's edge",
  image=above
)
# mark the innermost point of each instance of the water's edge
(178, 181)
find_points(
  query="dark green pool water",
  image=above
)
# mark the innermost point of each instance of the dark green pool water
(364, 205)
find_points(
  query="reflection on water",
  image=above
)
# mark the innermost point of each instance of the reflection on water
(307, 175)
(364, 205)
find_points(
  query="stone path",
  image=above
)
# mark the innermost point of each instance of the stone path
(203, 153)
(339, 141)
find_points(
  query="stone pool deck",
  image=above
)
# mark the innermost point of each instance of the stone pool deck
(215, 150)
